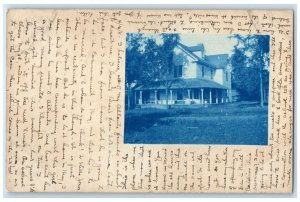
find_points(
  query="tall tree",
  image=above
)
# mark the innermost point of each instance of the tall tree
(133, 62)
(161, 63)
(150, 58)
(250, 62)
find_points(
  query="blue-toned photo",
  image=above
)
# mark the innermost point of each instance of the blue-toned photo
(196, 89)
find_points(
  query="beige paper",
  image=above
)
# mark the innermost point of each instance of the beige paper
(65, 106)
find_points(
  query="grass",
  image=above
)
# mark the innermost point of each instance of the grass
(238, 123)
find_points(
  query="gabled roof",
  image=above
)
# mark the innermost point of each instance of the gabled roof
(188, 51)
(199, 47)
(219, 61)
(180, 83)
(213, 61)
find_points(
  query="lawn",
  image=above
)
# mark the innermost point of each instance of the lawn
(238, 123)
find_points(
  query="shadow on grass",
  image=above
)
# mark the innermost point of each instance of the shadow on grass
(237, 123)
(139, 120)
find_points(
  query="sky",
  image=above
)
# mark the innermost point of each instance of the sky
(213, 44)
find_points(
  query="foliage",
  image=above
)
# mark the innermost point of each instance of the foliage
(250, 62)
(149, 58)
(133, 57)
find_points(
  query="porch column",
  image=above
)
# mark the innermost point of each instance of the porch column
(134, 97)
(202, 100)
(193, 94)
(210, 97)
(227, 95)
(189, 97)
(217, 96)
(141, 98)
(171, 96)
(155, 97)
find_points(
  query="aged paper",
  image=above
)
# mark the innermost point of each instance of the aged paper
(66, 99)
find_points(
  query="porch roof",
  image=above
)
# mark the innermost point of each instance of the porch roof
(180, 83)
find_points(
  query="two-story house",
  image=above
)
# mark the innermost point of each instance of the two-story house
(197, 79)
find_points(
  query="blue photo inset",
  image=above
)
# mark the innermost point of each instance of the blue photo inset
(196, 89)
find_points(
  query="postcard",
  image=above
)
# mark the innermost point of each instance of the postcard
(160, 101)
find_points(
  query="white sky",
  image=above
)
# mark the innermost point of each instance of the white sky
(213, 44)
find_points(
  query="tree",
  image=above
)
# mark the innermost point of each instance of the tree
(149, 58)
(250, 62)
(165, 65)
(133, 62)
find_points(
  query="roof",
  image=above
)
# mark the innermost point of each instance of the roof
(219, 61)
(199, 47)
(181, 83)
(188, 51)
(213, 61)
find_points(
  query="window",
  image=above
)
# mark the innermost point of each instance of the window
(178, 71)
(211, 73)
(202, 71)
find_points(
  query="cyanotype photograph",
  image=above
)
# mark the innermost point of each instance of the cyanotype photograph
(196, 89)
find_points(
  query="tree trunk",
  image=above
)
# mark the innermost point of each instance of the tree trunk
(128, 97)
(265, 95)
(261, 90)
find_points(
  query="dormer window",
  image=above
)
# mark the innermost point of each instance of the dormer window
(178, 71)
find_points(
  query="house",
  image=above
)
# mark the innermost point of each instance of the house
(197, 79)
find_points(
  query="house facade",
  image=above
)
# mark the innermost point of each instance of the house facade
(196, 79)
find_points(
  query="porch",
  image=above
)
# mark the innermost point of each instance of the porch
(190, 96)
